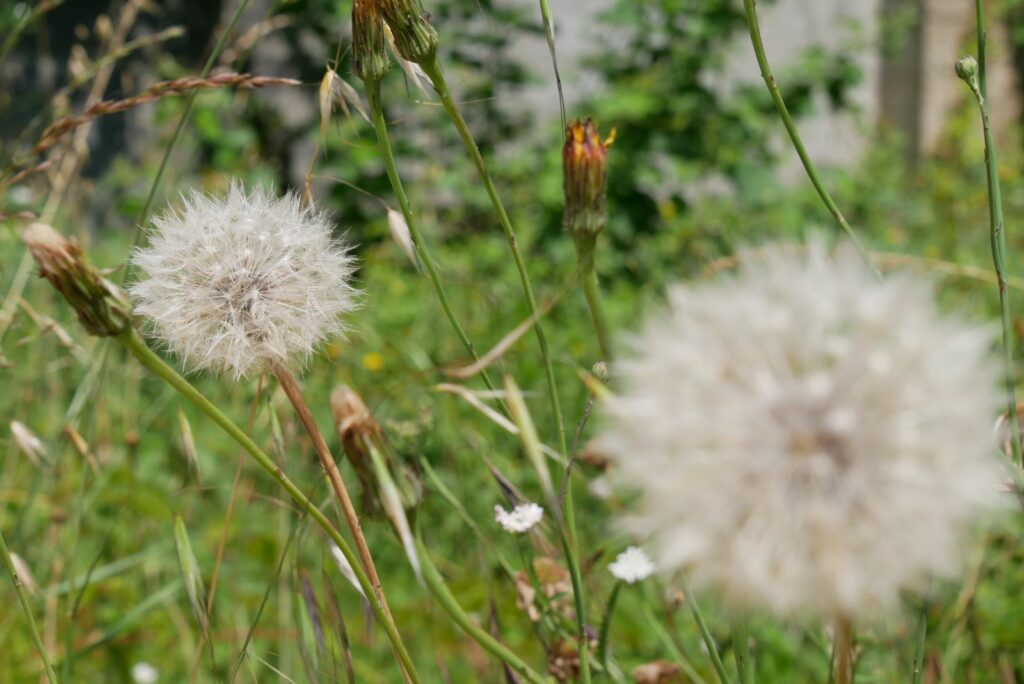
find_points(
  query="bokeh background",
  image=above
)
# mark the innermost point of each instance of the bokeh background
(700, 167)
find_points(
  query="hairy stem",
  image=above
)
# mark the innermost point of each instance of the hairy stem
(750, 7)
(135, 345)
(26, 608)
(384, 144)
(451, 606)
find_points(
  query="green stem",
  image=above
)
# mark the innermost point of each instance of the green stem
(26, 608)
(138, 348)
(705, 633)
(602, 639)
(922, 633)
(434, 72)
(741, 650)
(592, 291)
(666, 640)
(451, 606)
(432, 69)
(750, 7)
(384, 143)
(997, 237)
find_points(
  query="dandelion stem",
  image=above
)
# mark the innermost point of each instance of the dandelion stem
(135, 345)
(26, 608)
(922, 633)
(997, 237)
(602, 639)
(451, 606)
(741, 650)
(705, 633)
(384, 143)
(842, 651)
(294, 393)
(750, 7)
(592, 291)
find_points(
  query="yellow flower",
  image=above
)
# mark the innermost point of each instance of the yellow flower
(373, 361)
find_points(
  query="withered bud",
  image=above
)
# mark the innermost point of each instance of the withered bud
(415, 38)
(102, 307)
(358, 429)
(585, 169)
(370, 59)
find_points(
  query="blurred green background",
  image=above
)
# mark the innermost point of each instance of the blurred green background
(699, 168)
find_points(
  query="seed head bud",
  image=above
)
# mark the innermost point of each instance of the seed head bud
(585, 169)
(415, 38)
(966, 68)
(102, 307)
(370, 59)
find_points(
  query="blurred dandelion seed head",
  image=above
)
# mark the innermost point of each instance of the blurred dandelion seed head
(235, 284)
(804, 438)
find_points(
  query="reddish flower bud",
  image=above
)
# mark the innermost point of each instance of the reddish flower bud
(585, 169)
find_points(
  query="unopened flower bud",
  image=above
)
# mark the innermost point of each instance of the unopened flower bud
(415, 38)
(585, 168)
(966, 68)
(370, 59)
(102, 307)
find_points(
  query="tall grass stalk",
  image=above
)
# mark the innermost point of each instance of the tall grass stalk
(922, 633)
(436, 585)
(997, 230)
(138, 348)
(26, 608)
(706, 635)
(380, 127)
(750, 8)
(741, 650)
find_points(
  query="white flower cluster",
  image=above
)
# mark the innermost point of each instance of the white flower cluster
(804, 438)
(631, 566)
(520, 519)
(234, 284)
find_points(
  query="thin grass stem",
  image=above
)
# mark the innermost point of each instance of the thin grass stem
(451, 606)
(922, 633)
(384, 144)
(750, 7)
(705, 634)
(606, 623)
(741, 651)
(26, 608)
(138, 348)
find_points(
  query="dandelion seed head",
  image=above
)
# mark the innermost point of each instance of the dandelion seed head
(819, 467)
(631, 566)
(235, 284)
(520, 519)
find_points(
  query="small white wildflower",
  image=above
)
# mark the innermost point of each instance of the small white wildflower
(345, 567)
(632, 566)
(240, 283)
(144, 673)
(819, 467)
(29, 444)
(520, 519)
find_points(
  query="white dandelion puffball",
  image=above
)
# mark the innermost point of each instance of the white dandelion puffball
(520, 519)
(631, 566)
(805, 439)
(235, 284)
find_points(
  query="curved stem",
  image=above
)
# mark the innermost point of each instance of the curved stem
(135, 345)
(451, 606)
(750, 7)
(997, 237)
(602, 639)
(26, 608)
(436, 75)
(384, 143)
(294, 393)
(705, 633)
